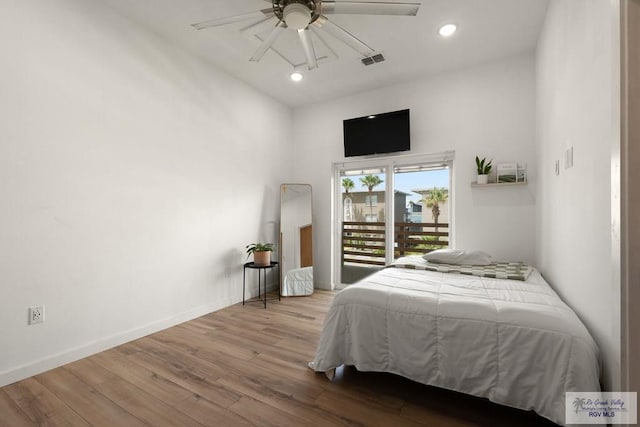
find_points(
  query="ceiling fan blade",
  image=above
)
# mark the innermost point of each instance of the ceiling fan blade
(236, 18)
(331, 53)
(307, 45)
(255, 24)
(370, 8)
(343, 35)
(266, 44)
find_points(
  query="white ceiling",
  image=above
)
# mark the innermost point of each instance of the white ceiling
(488, 30)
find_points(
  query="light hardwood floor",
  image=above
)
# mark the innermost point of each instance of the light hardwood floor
(240, 366)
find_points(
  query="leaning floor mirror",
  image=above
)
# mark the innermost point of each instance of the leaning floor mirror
(296, 240)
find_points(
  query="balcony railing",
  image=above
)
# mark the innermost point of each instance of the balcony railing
(364, 242)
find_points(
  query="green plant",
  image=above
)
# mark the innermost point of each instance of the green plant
(259, 247)
(426, 245)
(347, 184)
(370, 181)
(484, 167)
(433, 200)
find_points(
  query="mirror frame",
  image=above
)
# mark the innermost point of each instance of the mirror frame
(281, 248)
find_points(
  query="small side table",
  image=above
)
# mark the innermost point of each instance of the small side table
(264, 268)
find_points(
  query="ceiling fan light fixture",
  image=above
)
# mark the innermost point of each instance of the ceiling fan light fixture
(296, 76)
(447, 30)
(296, 15)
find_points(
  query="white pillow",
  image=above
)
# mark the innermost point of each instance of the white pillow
(456, 256)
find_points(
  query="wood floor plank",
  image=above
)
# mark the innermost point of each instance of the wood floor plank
(90, 372)
(299, 331)
(276, 349)
(358, 411)
(155, 384)
(10, 413)
(190, 342)
(263, 415)
(86, 401)
(199, 325)
(284, 402)
(302, 347)
(419, 414)
(179, 374)
(210, 414)
(133, 399)
(290, 369)
(210, 325)
(261, 381)
(144, 406)
(374, 389)
(42, 406)
(178, 357)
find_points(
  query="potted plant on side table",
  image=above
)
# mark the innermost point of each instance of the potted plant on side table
(261, 253)
(484, 169)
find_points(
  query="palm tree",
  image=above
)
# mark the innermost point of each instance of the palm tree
(433, 200)
(370, 181)
(347, 184)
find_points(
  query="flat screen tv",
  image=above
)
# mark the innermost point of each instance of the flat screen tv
(377, 134)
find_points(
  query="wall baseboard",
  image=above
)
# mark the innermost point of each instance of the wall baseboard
(56, 360)
(324, 286)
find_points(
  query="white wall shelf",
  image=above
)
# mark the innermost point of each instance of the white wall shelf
(498, 184)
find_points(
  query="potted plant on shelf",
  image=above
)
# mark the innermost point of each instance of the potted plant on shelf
(484, 169)
(261, 253)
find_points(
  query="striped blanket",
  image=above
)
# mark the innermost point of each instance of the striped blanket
(496, 270)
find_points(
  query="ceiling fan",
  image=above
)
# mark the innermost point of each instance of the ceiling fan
(300, 15)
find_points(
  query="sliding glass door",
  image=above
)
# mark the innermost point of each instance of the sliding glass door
(389, 209)
(425, 223)
(363, 227)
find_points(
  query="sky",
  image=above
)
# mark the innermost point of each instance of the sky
(409, 181)
(412, 180)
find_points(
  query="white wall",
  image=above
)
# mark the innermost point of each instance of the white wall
(132, 175)
(487, 110)
(575, 63)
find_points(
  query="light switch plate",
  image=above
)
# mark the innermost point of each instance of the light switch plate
(568, 158)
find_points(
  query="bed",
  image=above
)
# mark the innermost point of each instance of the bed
(298, 282)
(511, 340)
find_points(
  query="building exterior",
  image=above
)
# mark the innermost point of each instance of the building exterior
(363, 206)
(418, 212)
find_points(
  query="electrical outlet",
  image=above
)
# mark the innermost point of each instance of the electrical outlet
(36, 314)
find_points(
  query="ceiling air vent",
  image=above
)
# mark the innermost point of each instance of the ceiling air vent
(370, 60)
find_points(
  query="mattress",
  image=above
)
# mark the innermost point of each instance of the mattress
(513, 342)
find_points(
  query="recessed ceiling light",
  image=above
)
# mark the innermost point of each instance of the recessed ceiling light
(296, 76)
(447, 30)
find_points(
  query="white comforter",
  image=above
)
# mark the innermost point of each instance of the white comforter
(298, 282)
(515, 343)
